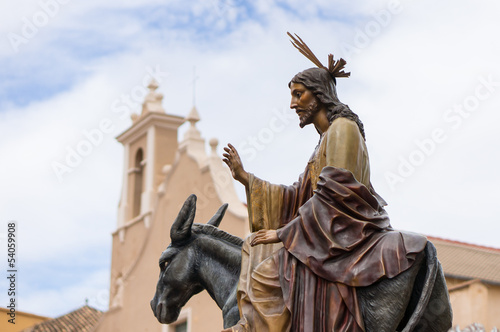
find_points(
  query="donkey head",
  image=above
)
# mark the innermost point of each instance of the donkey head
(179, 280)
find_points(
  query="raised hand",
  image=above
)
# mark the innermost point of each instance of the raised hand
(233, 161)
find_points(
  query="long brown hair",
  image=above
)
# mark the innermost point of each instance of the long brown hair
(322, 85)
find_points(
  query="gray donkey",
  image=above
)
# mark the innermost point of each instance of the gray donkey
(201, 256)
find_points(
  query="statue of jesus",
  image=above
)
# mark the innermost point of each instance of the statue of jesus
(316, 241)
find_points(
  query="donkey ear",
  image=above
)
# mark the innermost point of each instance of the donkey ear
(181, 229)
(217, 218)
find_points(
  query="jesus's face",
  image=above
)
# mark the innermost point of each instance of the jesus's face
(305, 103)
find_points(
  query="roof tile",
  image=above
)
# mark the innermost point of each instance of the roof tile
(80, 320)
(468, 261)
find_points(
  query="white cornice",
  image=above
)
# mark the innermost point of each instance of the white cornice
(132, 222)
(139, 128)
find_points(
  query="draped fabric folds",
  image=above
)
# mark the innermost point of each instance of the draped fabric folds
(335, 237)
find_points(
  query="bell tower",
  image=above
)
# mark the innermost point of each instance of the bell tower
(160, 171)
(150, 143)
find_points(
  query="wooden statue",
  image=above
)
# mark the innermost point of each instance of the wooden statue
(323, 255)
(202, 257)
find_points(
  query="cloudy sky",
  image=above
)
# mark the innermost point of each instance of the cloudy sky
(425, 81)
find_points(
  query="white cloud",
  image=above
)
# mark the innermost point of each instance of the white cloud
(67, 297)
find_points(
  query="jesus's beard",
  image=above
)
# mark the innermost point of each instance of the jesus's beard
(307, 115)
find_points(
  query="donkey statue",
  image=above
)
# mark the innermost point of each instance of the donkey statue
(201, 256)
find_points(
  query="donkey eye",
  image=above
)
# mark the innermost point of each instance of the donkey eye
(163, 265)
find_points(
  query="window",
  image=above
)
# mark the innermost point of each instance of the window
(183, 323)
(182, 327)
(138, 183)
(179, 326)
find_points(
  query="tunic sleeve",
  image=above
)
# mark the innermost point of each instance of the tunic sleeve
(271, 206)
(265, 202)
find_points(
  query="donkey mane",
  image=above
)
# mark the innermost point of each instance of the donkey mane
(210, 230)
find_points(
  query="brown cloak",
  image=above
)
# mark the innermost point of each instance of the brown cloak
(336, 235)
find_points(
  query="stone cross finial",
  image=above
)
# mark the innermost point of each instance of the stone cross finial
(214, 142)
(193, 116)
(153, 85)
(152, 102)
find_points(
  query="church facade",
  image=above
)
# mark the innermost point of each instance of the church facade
(159, 174)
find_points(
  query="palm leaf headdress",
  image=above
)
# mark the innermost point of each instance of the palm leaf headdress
(336, 68)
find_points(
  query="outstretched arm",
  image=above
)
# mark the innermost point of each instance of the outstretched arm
(233, 161)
